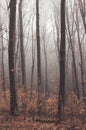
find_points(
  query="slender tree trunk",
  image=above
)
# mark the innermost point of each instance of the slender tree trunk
(82, 6)
(33, 62)
(71, 43)
(3, 72)
(62, 64)
(12, 27)
(38, 57)
(22, 45)
(46, 73)
(81, 56)
(75, 71)
(4, 88)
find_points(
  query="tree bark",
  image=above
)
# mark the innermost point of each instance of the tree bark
(62, 64)
(22, 45)
(38, 57)
(12, 37)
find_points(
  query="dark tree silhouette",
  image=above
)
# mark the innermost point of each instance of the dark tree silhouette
(38, 55)
(12, 26)
(62, 64)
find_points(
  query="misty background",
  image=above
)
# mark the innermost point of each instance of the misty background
(49, 36)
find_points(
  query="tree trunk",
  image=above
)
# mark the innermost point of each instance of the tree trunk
(22, 45)
(33, 63)
(81, 56)
(12, 27)
(76, 89)
(46, 73)
(3, 72)
(38, 57)
(82, 7)
(62, 64)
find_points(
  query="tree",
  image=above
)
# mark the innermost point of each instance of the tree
(82, 7)
(81, 53)
(22, 45)
(3, 72)
(70, 37)
(62, 64)
(38, 55)
(2, 57)
(12, 27)
(45, 41)
(33, 60)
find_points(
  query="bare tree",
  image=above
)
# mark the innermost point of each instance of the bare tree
(62, 64)
(3, 72)
(82, 7)
(22, 44)
(38, 57)
(33, 60)
(12, 39)
(70, 37)
(45, 41)
(81, 54)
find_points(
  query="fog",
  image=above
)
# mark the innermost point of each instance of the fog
(49, 24)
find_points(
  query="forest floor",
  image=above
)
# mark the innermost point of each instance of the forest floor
(19, 123)
(75, 117)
